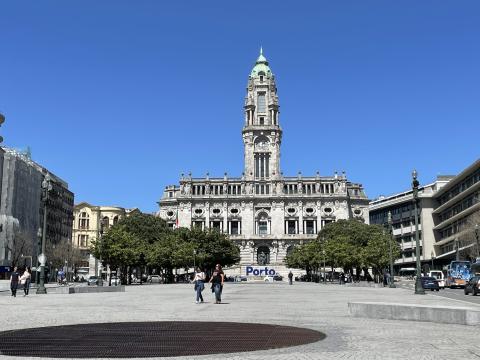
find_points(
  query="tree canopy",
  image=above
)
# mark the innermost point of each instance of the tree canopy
(146, 240)
(348, 244)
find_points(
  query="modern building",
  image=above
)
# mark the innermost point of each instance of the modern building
(88, 223)
(264, 212)
(21, 208)
(456, 213)
(401, 207)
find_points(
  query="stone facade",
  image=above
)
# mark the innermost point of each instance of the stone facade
(264, 212)
(87, 221)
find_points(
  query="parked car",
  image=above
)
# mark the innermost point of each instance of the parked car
(472, 286)
(268, 278)
(438, 274)
(154, 279)
(92, 280)
(239, 278)
(429, 282)
(277, 277)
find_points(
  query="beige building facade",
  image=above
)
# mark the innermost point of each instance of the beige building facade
(88, 223)
(264, 212)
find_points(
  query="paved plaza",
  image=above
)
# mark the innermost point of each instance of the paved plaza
(318, 307)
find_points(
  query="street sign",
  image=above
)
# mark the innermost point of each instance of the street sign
(4, 269)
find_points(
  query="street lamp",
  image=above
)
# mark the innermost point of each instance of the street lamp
(194, 255)
(46, 188)
(477, 230)
(100, 278)
(418, 283)
(432, 255)
(324, 275)
(390, 239)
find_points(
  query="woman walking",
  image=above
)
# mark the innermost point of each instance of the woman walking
(217, 283)
(199, 281)
(14, 276)
(25, 280)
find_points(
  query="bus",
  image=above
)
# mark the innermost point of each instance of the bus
(458, 273)
(407, 273)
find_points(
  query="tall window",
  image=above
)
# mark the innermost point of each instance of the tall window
(262, 227)
(261, 103)
(83, 221)
(82, 241)
(235, 228)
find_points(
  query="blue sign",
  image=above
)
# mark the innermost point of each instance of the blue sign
(259, 271)
(4, 269)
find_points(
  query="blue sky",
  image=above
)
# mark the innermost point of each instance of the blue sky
(120, 97)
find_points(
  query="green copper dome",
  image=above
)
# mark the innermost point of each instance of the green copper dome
(261, 65)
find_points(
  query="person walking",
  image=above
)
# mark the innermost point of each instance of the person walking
(290, 277)
(25, 280)
(14, 277)
(217, 283)
(199, 281)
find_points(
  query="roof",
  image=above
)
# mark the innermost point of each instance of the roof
(261, 65)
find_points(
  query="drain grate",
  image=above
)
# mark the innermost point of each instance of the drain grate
(151, 339)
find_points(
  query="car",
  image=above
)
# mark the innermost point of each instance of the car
(438, 274)
(268, 278)
(115, 280)
(154, 279)
(277, 277)
(92, 280)
(429, 282)
(472, 286)
(240, 278)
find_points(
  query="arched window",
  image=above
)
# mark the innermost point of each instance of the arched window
(263, 255)
(115, 220)
(105, 222)
(262, 223)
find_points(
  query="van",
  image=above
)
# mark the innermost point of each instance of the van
(438, 274)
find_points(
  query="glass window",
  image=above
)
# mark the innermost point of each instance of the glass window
(261, 104)
(262, 228)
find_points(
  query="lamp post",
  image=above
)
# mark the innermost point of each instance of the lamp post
(390, 238)
(100, 235)
(418, 283)
(194, 255)
(324, 275)
(457, 250)
(477, 230)
(46, 188)
(432, 255)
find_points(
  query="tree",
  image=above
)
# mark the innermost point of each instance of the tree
(348, 244)
(22, 246)
(468, 236)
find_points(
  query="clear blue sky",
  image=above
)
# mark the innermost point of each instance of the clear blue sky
(120, 97)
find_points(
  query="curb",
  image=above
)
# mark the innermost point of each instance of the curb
(435, 314)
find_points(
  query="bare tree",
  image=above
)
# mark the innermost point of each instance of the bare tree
(22, 248)
(63, 254)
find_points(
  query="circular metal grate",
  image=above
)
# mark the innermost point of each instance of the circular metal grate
(151, 339)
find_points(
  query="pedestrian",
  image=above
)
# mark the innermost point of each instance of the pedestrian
(217, 283)
(14, 276)
(25, 280)
(290, 277)
(199, 281)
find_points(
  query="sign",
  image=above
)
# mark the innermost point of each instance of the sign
(259, 271)
(42, 259)
(4, 269)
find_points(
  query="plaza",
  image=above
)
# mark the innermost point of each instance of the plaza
(306, 305)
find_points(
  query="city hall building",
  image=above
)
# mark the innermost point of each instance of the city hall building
(264, 212)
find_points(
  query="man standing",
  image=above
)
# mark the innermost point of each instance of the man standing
(14, 276)
(290, 277)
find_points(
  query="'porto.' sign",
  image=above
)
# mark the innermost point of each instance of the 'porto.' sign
(258, 271)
